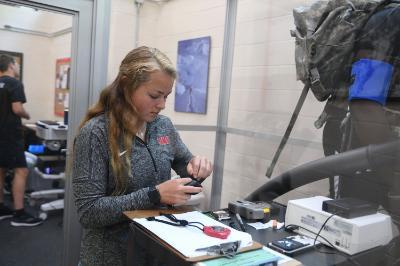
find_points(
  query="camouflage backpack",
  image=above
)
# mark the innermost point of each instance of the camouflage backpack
(325, 36)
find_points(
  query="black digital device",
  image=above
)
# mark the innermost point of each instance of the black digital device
(194, 183)
(292, 244)
(349, 207)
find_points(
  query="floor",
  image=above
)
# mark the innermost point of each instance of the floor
(35, 246)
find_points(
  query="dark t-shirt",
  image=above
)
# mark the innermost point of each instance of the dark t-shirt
(11, 90)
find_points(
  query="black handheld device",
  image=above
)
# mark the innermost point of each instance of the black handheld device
(292, 244)
(194, 183)
(349, 207)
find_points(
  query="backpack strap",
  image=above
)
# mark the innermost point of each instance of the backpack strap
(320, 92)
(289, 128)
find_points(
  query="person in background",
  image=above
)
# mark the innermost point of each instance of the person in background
(123, 156)
(374, 104)
(12, 155)
(374, 98)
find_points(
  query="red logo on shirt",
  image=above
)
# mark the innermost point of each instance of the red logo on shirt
(163, 140)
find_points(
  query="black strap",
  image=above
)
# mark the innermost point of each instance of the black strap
(175, 221)
(162, 221)
(289, 128)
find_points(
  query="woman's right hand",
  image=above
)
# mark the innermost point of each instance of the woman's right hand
(174, 191)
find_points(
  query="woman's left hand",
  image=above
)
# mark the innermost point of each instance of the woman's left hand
(199, 167)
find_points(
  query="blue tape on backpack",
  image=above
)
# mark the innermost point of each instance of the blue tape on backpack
(371, 80)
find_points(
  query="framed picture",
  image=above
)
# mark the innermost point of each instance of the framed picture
(61, 96)
(192, 82)
(19, 59)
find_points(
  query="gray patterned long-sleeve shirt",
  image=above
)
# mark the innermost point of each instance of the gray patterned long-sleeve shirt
(105, 230)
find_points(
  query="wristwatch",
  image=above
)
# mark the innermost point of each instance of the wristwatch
(154, 195)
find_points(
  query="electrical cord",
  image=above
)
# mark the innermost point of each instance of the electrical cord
(325, 252)
(338, 252)
(322, 227)
(289, 227)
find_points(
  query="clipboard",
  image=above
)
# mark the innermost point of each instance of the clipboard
(146, 235)
(156, 212)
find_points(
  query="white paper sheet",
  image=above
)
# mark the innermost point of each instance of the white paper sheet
(259, 225)
(187, 239)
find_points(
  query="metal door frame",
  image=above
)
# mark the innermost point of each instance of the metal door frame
(89, 61)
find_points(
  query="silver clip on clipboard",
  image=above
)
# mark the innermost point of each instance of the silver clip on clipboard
(228, 250)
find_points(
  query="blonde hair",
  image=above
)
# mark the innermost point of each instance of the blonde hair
(115, 101)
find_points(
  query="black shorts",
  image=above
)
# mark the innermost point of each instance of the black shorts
(12, 154)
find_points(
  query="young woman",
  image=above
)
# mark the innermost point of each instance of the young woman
(124, 153)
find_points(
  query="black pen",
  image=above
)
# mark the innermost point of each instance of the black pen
(240, 222)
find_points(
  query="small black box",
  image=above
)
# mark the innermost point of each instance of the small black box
(349, 207)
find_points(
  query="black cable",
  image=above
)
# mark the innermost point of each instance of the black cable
(338, 252)
(293, 225)
(195, 226)
(181, 222)
(176, 221)
(322, 227)
(325, 252)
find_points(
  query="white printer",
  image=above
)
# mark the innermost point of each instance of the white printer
(51, 130)
(348, 235)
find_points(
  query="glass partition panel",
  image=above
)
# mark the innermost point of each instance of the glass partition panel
(362, 109)
(264, 93)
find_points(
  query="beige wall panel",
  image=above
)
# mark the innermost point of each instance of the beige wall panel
(122, 34)
(264, 30)
(265, 54)
(123, 6)
(259, 9)
(265, 78)
(170, 41)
